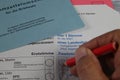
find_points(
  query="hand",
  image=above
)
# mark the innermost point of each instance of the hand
(87, 65)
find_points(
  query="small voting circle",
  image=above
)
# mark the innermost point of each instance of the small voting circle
(49, 76)
(49, 62)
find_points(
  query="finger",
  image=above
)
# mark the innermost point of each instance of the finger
(116, 74)
(106, 62)
(87, 65)
(102, 40)
(73, 71)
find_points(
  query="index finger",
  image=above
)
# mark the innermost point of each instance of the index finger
(101, 40)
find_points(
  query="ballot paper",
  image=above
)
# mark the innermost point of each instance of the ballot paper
(36, 61)
(26, 21)
(44, 60)
(98, 20)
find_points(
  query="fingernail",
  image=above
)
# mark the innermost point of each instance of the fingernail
(81, 52)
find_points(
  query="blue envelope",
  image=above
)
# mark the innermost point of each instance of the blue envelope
(26, 21)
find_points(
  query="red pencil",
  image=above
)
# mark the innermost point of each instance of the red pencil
(111, 47)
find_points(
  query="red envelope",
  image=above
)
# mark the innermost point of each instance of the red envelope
(92, 2)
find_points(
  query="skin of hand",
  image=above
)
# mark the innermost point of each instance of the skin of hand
(87, 64)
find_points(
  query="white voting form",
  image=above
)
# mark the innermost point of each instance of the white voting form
(44, 60)
(98, 20)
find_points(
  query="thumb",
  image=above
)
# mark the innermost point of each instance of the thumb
(87, 65)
